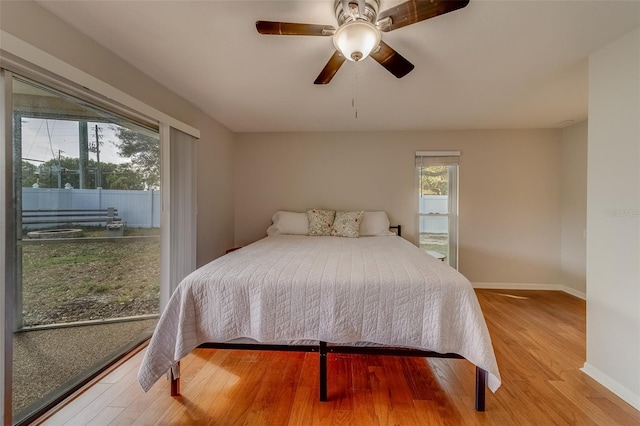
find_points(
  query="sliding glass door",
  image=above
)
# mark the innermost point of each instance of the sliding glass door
(85, 278)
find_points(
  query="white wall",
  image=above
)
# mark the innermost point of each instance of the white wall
(573, 245)
(509, 190)
(36, 26)
(613, 222)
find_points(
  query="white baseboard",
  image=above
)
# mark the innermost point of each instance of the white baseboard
(530, 286)
(614, 386)
(574, 292)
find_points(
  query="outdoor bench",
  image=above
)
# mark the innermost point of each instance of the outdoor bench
(107, 216)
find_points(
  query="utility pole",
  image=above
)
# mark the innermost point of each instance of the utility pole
(83, 160)
(96, 148)
(60, 168)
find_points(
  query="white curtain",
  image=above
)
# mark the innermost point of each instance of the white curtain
(179, 209)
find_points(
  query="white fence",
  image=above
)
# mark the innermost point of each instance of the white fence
(137, 209)
(434, 204)
(141, 209)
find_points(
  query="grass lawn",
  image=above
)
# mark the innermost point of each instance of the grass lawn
(88, 280)
(435, 242)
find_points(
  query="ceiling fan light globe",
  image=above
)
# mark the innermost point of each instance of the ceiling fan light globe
(356, 39)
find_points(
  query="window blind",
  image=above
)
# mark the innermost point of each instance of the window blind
(437, 158)
(183, 205)
(178, 211)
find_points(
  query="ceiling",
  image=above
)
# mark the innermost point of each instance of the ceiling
(491, 65)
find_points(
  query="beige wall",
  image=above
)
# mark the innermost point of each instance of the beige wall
(573, 245)
(613, 218)
(36, 26)
(510, 187)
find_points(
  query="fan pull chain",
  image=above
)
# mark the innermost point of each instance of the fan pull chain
(354, 98)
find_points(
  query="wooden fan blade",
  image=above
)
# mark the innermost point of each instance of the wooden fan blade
(395, 63)
(291, 28)
(413, 11)
(331, 68)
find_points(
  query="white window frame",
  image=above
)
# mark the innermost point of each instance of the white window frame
(441, 158)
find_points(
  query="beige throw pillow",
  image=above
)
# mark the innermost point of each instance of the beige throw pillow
(320, 222)
(347, 224)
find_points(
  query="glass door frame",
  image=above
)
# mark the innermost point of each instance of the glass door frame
(8, 234)
(37, 65)
(12, 304)
(10, 192)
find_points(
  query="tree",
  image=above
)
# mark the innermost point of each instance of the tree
(30, 174)
(125, 177)
(144, 152)
(46, 174)
(434, 180)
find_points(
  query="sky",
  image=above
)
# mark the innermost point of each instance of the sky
(45, 139)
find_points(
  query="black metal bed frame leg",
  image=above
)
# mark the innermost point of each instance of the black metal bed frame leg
(175, 382)
(481, 384)
(323, 372)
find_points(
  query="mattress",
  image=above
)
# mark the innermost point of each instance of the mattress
(380, 290)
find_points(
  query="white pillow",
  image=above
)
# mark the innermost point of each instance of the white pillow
(289, 223)
(375, 224)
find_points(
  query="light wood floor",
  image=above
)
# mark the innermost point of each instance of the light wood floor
(538, 336)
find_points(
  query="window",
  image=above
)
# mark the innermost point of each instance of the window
(103, 267)
(86, 275)
(437, 211)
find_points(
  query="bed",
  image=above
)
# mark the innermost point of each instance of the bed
(373, 294)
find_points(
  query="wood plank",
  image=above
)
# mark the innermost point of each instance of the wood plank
(364, 409)
(125, 370)
(322, 412)
(538, 338)
(199, 389)
(140, 402)
(399, 392)
(105, 416)
(232, 406)
(593, 403)
(272, 404)
(340, 382)
(311, 367)
(428, 413)
(380, 394)
(419, 378)
(360, 372)
(302, 406)
(74, 407)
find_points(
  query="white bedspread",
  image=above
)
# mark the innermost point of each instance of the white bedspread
(340, 290)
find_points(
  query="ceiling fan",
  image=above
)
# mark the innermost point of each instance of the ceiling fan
(358, 34)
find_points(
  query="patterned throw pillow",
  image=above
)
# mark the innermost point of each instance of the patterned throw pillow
(347, 224)
(320, 222)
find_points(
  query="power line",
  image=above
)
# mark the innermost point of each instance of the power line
(53, 155)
